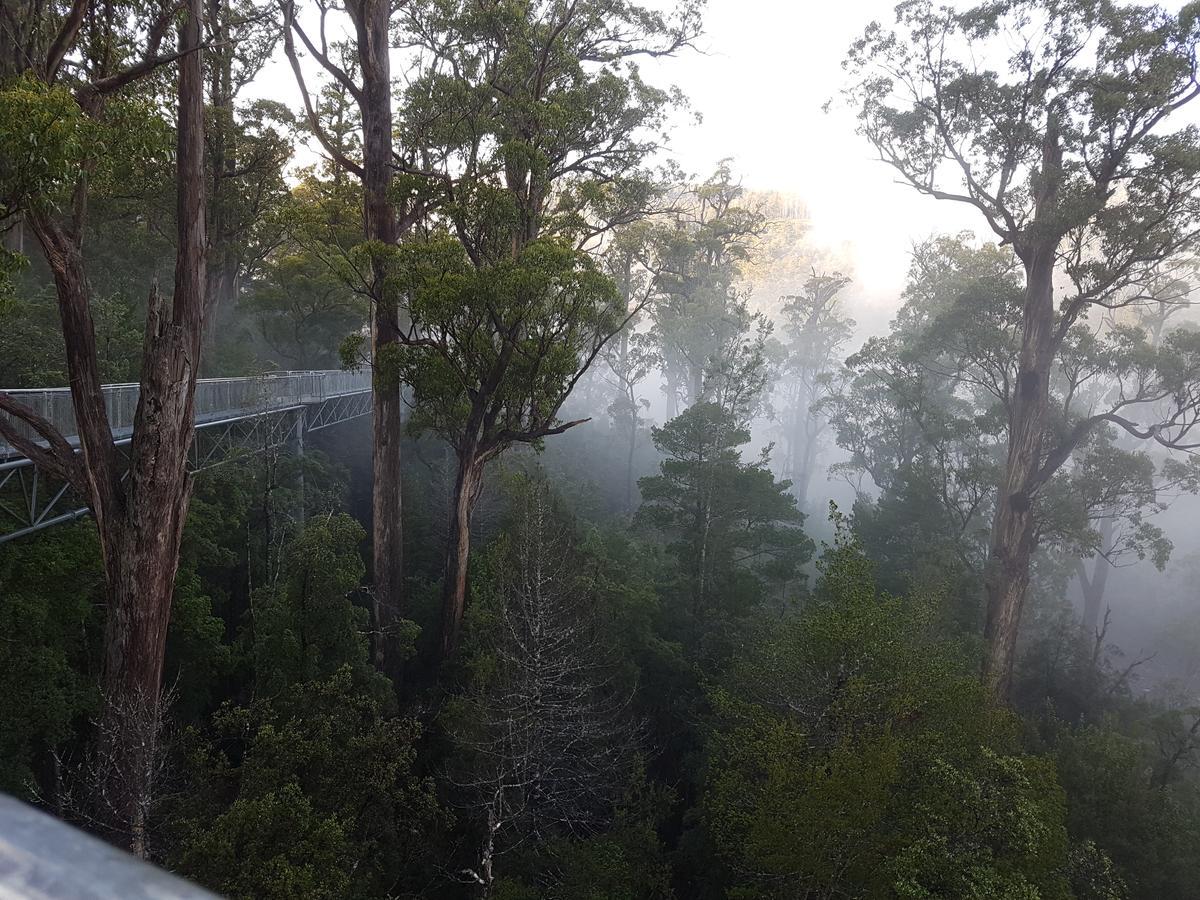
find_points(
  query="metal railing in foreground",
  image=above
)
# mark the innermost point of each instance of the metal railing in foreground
(42, 858)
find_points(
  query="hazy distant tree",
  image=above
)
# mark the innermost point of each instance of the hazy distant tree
(302, 296)
(630, 361)
(1177, 734)
(813, 332)
(730, 526)
(630, 357)
(247, 151)
(1050, 119)
(784, 256)
(304, 311)
(919, 411)
(542, 152)
(925, 414)
(1115, 492)
(700, 321)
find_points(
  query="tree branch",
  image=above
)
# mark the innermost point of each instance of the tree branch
(112, 83)
(65, 38)
(314, 123)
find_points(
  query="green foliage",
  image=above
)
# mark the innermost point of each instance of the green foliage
(31, 346)
(50, 590)
(272, 846)
(855, 753)
(625, 863)
(1093, 876)
(304, 310)
(44, 139)
(731, 528)
(197, 657)
(552, 121)
(309, 789)
(314, 792)
(306, 297)
(10, 265)
(305, 627)
(517, 333)
(1148, 832)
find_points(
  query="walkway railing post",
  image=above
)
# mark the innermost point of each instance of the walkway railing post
(301, 428)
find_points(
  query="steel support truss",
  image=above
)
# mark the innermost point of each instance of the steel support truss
(31, 501)
(336, 410)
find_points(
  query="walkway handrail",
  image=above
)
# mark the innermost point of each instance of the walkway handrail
(216, 398)
(44, 858)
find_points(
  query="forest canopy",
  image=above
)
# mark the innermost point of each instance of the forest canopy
(420, 477)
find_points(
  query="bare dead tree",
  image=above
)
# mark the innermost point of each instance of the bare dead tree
(548, 740)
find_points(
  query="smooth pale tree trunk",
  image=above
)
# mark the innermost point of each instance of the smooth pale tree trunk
(630, 454)
(1093, 586)
(1013, 532)
(467, 484)
(804, 451)
(387, 551)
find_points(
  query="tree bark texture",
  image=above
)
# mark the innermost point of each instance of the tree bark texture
(1014, 533)
(387, 552)
(141, 538)
(1013, 530)
(467, 485)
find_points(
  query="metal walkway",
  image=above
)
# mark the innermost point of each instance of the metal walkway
(252, 414)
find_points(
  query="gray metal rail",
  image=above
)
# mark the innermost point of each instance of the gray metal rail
(42, 858)
(216, 399)
(232, 414)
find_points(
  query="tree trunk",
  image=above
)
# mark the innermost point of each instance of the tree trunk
(387, 550)
(467, 486)
(141, 532)
(804, 447)
(141, 556)
(629, 459)
(139, 514)
(1013, 532)
(1093, 585)
(223, 268)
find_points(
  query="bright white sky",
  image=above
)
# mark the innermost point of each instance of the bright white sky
(767, 69)
(770, 67)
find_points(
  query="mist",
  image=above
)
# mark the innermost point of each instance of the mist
(564, 449)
